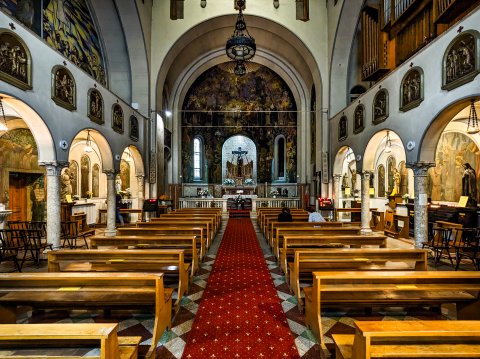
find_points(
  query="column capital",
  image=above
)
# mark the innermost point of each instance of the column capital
(54, 168)
(110, 173)
(337, 176)
(366, 173)
(420, 168)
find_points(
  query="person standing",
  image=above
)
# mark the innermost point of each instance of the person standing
(314, 216)
(118, 204)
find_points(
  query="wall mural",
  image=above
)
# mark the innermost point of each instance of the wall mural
(445, 179)
(258, 105)
(28, 12)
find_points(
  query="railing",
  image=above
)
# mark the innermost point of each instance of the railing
(291, 202)
(401, 6)
(443, 5)
(387, 11)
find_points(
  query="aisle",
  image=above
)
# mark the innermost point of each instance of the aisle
(240, 315)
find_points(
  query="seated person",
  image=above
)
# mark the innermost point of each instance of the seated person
(285, 215)
(314, 216)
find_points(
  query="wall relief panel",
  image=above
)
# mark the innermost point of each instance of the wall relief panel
(117, 118)
(411, 89)
(63, 88)
(133, 128)
(359, 116)
(15, 61)
(95, 106)
(342, 128)
(380, 107)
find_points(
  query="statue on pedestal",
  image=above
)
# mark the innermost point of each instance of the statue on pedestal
(469, 184)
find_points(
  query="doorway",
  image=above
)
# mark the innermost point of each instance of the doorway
(19, 189)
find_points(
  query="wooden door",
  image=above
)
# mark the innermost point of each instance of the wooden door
(18, 190)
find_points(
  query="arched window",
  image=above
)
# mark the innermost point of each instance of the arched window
(197, 159)
(279, 162)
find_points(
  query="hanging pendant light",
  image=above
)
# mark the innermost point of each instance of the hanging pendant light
(3, 120)
(388, 143)
(472, 126)
(240, 46)
(88, 143)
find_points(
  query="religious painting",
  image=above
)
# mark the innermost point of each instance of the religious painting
(454, 149)
(391, 168)
(133, 128)
(74, 177)
(15, 61)
(63, 88)
(358, 122)
(38, 199)
(342, 128)
(84, 175)
(380, 107)
(117, 118)
(461, 60)
(124, 175)
(403, 172)
(411, 89)
(381, 181)
(28, 12)
(96, 180)
(95, 106)
(69, 28)
(258, 105)
(18, 150)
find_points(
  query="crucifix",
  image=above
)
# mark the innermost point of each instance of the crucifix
(239, 154)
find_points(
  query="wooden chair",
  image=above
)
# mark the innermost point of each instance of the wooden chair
(440, 243)
(468, 247)
(36, 243)
(70, 235)
(13, 243)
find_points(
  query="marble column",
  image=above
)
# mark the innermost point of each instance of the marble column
(110, 231)
(336, 190)
(141, 191)
(365, 178)
(420, 230)
(53, 171)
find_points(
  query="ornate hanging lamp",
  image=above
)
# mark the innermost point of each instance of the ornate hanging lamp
(388, 143)
(88, 143)
(472, 126)
(3, 120)
(240, 46)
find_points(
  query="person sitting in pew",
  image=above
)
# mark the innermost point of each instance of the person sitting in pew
(314, 216)
(285, 215)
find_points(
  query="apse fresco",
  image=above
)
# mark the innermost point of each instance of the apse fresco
(445, 179)
(68, 27)
(258, 105)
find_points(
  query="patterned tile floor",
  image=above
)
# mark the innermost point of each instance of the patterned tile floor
(173, 342)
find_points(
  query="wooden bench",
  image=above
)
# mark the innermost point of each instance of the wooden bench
(377, 222)
(267, 218)
(170, 262)
(396, 225)
(189, 215)
(355, 213)
(368, 289)
(128, 211)
(307, 261)
(274, 212)
(273, 225)
(410, 339)
(293, 242)
(187, 243)
(65, 340)
(103, 291)
(168, 230)
(281, 232)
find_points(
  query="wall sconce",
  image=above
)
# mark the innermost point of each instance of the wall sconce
(88, 143)
(276, 4)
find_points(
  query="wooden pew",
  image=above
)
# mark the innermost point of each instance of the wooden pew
(105, 291)
(309, 231)
(170, 262)
(366, 289)
(273, 225)
(293, 242)
(410, 339)
(274, 212)
(377, 222)
(307, 261)
(198, 232)
(187, 243)
(396, 226)
(297, 216)
(216, 212)
(190, 216)
(354, 213)
(64, 340)
(180, 222)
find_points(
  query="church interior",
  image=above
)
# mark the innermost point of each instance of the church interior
(148, 148)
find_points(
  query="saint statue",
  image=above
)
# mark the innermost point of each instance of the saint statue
(469, 183)
(66, 188)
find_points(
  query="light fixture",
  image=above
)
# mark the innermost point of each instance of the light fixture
(388, 143)
(472, 126)
(239, 69)
(3, 125)
(240, 46)
(88, 143)
(168, 113)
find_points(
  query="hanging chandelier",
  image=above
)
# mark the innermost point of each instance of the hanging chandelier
(472, 126)
(388, 143)
(240, 46)
(88, 143)
(3, 120)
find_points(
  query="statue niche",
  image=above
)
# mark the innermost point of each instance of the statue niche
(239, 168)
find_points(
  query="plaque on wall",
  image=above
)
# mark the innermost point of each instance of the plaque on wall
(380, 107)
(117, 118)
(15, 61)
(358, 122)
(95, 106)
(63, 88)
(133, 128)
(342, 128)
(461, 60)
(411, 89)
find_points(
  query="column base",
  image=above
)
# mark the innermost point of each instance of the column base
(110, 232)
(365, 231)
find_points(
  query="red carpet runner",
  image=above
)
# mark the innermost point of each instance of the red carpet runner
(240, 315)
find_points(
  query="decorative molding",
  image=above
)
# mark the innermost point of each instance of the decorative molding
(54, 168)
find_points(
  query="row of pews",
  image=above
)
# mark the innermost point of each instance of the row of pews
(332, 265)
(138, 269)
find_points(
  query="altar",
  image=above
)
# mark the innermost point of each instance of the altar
(239, 190)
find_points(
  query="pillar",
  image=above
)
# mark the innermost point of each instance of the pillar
(110, 231)
(53, 171)
(336, 190)
(420, 230)
(365, 193)
(141, 191)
